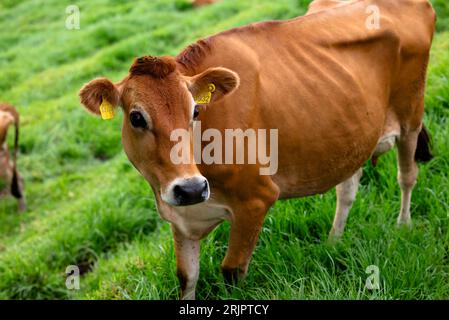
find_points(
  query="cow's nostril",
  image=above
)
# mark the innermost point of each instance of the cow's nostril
(179, 191)
(205, 189)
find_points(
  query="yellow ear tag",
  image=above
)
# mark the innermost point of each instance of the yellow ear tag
(106, 110)
(205, 97)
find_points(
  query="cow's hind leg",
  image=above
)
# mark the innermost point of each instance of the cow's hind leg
(407, 174)
(412, 147)
(346, 194)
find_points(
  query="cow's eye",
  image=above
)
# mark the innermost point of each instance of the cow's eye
(196, 112)
(137, 120)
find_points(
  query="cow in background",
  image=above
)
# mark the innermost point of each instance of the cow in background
(11, 182)
(199, 3)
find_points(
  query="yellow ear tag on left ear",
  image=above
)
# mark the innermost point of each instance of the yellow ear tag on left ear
(106, 110)
(205, 97)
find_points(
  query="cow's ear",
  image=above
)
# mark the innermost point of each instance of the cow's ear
(219, 82)
(99, 91)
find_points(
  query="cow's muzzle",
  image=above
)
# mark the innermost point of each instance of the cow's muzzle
(186, 192)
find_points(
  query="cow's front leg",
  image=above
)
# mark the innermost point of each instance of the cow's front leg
(187, 263)
(245, 228)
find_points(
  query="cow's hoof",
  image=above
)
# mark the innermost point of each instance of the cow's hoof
(333, 238)
(233, 276)
(405, 223)
(188, 295)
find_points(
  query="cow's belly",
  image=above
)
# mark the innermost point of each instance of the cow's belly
(329, 126)
(317, 159)
(319, 174)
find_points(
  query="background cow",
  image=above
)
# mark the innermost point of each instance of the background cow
(11, 183)
(199, 3)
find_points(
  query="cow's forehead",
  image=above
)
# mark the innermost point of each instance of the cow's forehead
(155, 93)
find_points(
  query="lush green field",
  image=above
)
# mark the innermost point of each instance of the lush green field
(88, 206)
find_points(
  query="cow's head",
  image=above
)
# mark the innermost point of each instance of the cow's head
(6, 119)
(156, 100)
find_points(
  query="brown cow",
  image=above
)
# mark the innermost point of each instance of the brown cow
(199, 3)
(339, 89)
(11, 182)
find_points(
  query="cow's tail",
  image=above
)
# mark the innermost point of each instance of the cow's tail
(15, 187)
(423, 151)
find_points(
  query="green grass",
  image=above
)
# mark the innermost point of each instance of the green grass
(88, 206)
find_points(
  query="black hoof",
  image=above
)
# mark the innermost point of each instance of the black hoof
(232, 276)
